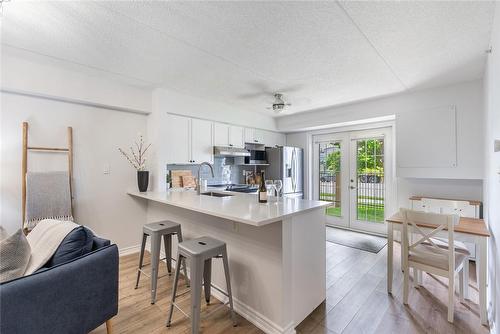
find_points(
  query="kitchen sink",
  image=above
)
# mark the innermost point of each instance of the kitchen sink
(211, 193)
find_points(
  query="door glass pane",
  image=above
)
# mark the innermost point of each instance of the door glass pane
(329, 176)
(370, 176)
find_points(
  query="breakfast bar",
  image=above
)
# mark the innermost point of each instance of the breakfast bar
(276, 250)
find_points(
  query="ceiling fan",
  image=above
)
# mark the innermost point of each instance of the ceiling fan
(279, 104)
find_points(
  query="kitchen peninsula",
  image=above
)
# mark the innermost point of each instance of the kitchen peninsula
(276, 250)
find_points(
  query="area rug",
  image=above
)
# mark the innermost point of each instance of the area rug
(366, 242)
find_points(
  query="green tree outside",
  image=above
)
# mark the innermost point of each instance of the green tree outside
(370, 157)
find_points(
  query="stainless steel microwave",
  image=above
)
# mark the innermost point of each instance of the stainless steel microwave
(256, 157)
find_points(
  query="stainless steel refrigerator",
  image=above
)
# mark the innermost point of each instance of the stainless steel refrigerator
(287, 164)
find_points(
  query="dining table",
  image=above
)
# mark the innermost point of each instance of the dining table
(472, 230)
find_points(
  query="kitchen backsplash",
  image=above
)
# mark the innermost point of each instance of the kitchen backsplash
(224, 169)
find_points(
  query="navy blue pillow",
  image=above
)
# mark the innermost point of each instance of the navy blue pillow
(77, 243)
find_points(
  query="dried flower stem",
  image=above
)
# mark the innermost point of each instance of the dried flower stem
(137, 159)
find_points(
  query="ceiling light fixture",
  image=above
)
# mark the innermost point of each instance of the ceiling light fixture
(279, 104)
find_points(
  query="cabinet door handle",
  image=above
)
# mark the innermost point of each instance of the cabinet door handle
(231, 145)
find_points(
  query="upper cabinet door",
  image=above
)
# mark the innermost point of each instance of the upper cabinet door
(178, 139)
(259, 136)
(280, 139)
(236, 136)
(249, 135)
(221, 134)
(201, 141)
(272, 139)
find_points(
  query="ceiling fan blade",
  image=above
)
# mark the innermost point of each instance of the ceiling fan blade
(300, 101)
(290, 89)
(252, 95)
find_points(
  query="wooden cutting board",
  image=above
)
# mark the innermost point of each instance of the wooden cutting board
(177, 177)
(188, 181)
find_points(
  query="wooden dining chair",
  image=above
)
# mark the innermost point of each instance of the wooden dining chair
(426, 256)
(461, 208)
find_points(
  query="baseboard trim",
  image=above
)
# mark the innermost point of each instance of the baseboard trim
(247, 312)
(129, 250)
(254, 316)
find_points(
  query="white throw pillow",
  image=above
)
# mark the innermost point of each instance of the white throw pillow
(15, 253)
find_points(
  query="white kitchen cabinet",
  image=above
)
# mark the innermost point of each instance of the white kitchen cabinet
(189, 140)
(201, 141)
(228, 135)
(254, 136)
(221, 134)
(258, 136)
(272, 139)
(178, 139)
(249, 135)
(236, 136)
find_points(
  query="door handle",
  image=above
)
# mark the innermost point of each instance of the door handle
(352, 187)
(293, 171)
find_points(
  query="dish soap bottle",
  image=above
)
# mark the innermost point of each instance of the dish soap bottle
(262, 189)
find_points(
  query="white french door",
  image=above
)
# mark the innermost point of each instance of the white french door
(353, 171)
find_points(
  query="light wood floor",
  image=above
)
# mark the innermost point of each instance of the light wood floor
(357, 302)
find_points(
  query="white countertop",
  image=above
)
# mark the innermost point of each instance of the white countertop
(243, 208)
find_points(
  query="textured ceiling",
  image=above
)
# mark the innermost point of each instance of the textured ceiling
(317, 53)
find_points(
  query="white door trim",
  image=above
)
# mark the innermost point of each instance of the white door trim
(388, 132)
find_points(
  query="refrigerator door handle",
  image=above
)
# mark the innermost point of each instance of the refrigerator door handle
(294, 166)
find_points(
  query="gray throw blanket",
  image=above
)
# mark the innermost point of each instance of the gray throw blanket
(47, 197)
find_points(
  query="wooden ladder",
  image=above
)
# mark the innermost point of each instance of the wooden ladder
(68, 150)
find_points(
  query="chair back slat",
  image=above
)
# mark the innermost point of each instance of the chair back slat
(441, 221)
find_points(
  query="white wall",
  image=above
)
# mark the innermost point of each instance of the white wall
(466, 96)
(100, 200)
(168, 101)
(492, 169)
(31, 74)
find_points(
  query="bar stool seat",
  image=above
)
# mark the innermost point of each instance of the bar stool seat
(199, 253)
(164, 226)
(156, 231)
(205, 247)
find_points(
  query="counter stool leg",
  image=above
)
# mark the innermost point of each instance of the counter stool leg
(155, 261)
(174, 290)
(141, 259)
(167, 241)
(196, 277)
(228, 284)
(179, 240)
(207, 279)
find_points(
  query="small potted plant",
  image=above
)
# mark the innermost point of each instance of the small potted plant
(137, 158)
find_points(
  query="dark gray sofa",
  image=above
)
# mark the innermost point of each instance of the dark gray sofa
(73, 297)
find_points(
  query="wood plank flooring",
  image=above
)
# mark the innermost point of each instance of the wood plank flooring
(357, 302)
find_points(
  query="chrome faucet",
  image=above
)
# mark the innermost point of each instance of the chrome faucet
(198, 188)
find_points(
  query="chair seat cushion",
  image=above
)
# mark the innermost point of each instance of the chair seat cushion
(430, 256)
(443, 243)
(77, 243)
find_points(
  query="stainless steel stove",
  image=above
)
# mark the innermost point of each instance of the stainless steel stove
(241, 188)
